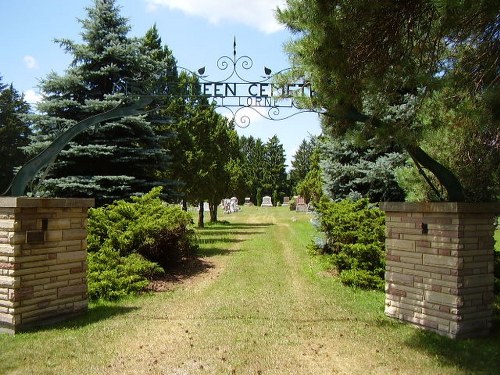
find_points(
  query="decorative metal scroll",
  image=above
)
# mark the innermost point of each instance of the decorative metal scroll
(239, 95)
(263, 97)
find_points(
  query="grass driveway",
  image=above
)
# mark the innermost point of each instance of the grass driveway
(256, 303)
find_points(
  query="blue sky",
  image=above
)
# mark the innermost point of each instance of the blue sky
(197, 31)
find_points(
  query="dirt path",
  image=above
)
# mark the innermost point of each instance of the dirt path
(261, 308)
(256, 303)
(245, 315)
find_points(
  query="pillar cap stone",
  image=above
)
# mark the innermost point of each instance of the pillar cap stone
(437, 207)
(46, 202)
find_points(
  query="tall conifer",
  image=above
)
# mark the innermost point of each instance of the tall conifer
(14, 132)
(120, 157)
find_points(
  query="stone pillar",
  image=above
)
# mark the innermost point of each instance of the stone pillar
(439, 272)
(43, 266)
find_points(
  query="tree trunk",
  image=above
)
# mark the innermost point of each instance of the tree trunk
(184, 204)
(444, 175)
(201, 224)
(213, 212)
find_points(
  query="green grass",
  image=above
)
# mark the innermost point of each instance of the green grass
(497, 240)
(261, 304)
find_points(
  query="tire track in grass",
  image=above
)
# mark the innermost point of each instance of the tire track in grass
(262, 312)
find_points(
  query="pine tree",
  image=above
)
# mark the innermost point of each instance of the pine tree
(375, 64)
(14, 132)
(118, 158)
(275, 178)
(301, 162)
(253, 161)
(360, 170)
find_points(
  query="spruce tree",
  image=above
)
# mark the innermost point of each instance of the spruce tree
(14, 132)
(275, 178)
(355, 170)
(117, 158)
(375, 65)
(301, 162)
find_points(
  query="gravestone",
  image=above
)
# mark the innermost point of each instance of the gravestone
(266, 201)
(286, 201)
(206, 207)
(248, 202)
(301, 204)
(233, 203)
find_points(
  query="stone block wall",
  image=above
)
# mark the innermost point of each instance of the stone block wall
(439, 270)
(42, 260)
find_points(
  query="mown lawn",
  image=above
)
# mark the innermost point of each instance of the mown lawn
(259, 304)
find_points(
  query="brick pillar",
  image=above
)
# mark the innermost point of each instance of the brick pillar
(439, 272)
(43, 266)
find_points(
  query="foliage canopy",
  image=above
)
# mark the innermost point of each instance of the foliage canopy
(376, 66)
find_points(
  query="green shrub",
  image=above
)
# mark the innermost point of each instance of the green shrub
(131, 242)
(497, 261)
(354, 240)
(361, 279)
(112, 276)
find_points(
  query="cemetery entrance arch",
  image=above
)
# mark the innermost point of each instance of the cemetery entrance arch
(264, 96)
(234, 93)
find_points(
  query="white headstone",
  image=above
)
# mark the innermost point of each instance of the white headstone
(266, 201)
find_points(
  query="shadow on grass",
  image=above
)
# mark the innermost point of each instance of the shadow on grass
(189, 267)
(211, 241)
(213, 251)
(477, 356)
(210, 233)
(214, 238)
(225, 226)
(96, 313)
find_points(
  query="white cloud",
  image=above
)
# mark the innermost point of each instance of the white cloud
(30, 62)
(253, 13)
(32, 97)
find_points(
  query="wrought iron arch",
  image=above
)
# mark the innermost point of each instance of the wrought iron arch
(262, 102)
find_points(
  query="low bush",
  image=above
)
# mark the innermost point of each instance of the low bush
(131, 242)
(497, 260)
(354, 241)
(112, 276)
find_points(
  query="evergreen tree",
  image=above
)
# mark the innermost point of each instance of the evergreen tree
(221, 147)
(189, 111)
(375, 64)
(274, 180)
(204, 147)
(353, 170)
(253, 160)
(263, 168)
(301, 162)
(14, 132)
(118, 158)
(311, 186)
